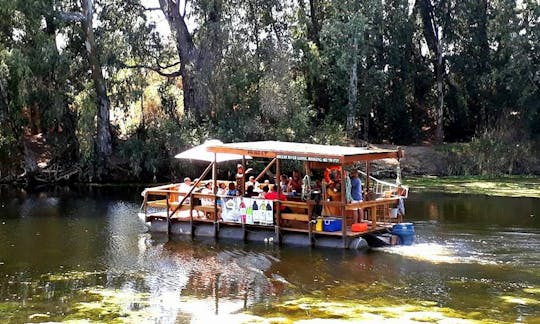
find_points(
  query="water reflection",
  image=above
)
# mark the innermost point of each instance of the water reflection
(82, 254)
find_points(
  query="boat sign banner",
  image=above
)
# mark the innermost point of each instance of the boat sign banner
(308, 158)
(248, 210)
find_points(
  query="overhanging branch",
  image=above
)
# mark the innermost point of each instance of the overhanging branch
(158, 70)
(71, 16)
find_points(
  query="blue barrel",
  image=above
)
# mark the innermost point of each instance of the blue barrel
(405, 232)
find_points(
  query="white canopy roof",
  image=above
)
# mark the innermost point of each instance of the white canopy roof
(201, 153)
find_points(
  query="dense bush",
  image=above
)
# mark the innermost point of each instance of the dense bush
(501, 151)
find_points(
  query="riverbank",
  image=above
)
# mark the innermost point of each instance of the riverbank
(509, 186)
(447, 168)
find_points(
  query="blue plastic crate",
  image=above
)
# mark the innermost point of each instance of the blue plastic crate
(331, 224)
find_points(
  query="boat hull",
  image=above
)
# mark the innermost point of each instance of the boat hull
(257, 234)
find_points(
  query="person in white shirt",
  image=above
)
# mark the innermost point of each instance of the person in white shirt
(207, 201)
(254, 183)
(184, 188)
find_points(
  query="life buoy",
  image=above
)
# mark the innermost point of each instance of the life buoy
(329, 171)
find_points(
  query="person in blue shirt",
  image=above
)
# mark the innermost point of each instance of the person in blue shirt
(356, 187)
(232, 190)
(356, 193)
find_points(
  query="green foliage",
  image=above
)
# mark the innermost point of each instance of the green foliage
(85, 102)
(279, 70)
(149, 153)
(502, 151)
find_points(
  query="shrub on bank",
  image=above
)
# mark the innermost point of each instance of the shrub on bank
(492, 153)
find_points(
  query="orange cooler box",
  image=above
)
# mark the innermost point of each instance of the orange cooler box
(359, 227)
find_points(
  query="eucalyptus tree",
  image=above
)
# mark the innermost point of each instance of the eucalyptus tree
(343, 43)
(307, 42)
(197, 50)
(35, 86)
(104, 139)
(434, 17)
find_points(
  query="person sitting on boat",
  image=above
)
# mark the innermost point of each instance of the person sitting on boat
(273, 195)
(333, 193)
(250, 192)
(232, 190)
(222, 189)
(264, 192)
(295, 183)
(284, 183)
(252, 182)
(207, 191)
(266, 183)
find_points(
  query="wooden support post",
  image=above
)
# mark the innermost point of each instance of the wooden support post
(244, 231)
(367, 175)
(343, 205)
(310, 232)
(277, 210)
(145, 202)
(208, 168)
(266, 169)
(191, 225)
(168, 215)
(214, 190)
(373, 211)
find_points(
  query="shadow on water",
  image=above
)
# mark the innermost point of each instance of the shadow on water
(82, 254)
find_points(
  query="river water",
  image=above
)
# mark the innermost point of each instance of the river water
(81, 254)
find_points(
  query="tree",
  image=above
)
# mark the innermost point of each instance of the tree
(433, 33)
(343, 42)
(310, 46)
(196, 60)
(104, 139)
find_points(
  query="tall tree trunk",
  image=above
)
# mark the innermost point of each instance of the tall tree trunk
(439, 130)
(433, 40)
(353, 89)
(196, 64)
(104, 139)
(315, 87)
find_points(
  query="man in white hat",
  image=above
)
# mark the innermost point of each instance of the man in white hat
(240, 179)
(254, 183)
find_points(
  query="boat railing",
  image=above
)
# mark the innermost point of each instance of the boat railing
(211, 207)
(386, 189)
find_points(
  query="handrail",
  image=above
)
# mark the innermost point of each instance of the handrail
(380, 186)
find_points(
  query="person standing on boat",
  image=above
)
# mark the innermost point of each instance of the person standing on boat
(184, 188)
(356, 187)
(240, 179)
(355, 193)
(306, 183)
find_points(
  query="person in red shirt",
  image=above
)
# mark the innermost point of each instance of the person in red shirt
(295, 183)
(273, 195)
